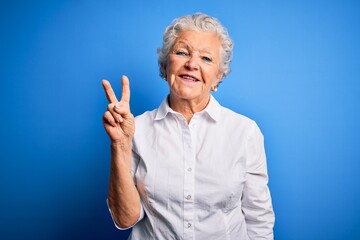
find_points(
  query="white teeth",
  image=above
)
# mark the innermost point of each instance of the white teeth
(190, 78)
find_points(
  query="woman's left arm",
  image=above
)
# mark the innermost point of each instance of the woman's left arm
(256, 199)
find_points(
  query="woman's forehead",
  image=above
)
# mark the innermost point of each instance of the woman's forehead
(204, 41)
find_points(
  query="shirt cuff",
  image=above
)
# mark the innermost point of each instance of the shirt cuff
(120, 228)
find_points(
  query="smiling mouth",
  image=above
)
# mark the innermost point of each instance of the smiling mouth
(188, 78)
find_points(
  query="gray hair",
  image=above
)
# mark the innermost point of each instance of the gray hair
(197, 22)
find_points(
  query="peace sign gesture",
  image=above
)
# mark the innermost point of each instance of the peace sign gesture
(118, 120)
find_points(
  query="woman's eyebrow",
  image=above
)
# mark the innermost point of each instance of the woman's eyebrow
(206, 51)
(182, 43)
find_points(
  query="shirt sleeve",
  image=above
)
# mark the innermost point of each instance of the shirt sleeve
(135, 162)
(256, 199)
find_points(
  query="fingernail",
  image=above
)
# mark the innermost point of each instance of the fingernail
(117, 107)
(120, 119)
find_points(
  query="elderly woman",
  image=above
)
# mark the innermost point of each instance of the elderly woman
(191, 169)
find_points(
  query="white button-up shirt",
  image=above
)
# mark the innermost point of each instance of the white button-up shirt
(202, 180)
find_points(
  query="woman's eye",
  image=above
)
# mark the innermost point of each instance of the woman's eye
(206, 59)
(181, 53)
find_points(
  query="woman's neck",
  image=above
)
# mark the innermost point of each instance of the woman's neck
(187, 107)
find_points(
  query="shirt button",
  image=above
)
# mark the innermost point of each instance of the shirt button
(188, 197)
(189, 225)
(189, 169)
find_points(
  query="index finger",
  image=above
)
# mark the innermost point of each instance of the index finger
(110, 95)
(125, 89)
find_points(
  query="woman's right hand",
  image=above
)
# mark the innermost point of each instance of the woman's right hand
(123, 197)
(118, 120)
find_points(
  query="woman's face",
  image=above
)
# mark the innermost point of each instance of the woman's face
(193, 65)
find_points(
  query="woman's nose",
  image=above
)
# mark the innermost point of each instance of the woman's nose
(192, 63)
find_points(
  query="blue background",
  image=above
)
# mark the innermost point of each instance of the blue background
(295, 71)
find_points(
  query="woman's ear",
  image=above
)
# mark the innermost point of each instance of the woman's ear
(219, 76)
(163, 69)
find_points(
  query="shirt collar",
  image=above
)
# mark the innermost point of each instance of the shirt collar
(163, 110)
(212, 109)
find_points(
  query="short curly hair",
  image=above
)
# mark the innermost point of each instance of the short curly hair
(197, 22)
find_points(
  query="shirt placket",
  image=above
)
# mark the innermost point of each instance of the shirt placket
(189, 184)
